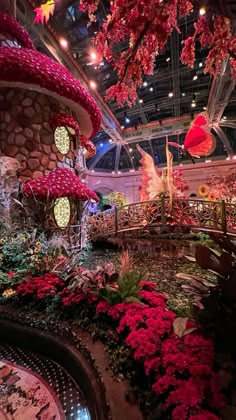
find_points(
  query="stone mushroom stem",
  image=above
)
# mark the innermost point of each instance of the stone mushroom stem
(8, 6)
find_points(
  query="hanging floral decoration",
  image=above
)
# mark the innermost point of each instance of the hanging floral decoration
(220, 41)
(146, 27)
(44, 11)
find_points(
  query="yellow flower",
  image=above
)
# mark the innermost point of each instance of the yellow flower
(9, 293)
(38, 244)
(212, 196)
(2, 241)
(203, 190)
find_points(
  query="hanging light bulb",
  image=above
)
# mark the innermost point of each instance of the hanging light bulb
(202, 11)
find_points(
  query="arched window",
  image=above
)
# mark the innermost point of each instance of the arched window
(62, 212)
(62, 139)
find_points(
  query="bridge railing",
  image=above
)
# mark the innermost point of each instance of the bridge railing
(198, 214)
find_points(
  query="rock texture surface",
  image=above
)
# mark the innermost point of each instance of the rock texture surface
(25, 132)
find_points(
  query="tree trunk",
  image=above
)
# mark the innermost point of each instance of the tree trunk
(8, 6)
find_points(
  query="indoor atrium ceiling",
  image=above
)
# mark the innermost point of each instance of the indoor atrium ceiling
(168, 94)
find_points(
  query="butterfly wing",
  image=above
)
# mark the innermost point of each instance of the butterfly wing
(151, 183)
(205, 148)
(199, 141)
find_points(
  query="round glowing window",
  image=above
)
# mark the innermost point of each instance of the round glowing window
(62, 212)
(62, 140)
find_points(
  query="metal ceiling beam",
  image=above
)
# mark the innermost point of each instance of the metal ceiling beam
(163, 103)
(174, 42)
(224, 140)
(118, 150)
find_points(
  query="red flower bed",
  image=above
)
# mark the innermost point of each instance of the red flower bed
(41, 287)
(181, 369)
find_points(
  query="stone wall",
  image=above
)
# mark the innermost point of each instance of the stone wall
(25, 132)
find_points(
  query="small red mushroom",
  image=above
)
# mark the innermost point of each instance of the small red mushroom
(61, 182)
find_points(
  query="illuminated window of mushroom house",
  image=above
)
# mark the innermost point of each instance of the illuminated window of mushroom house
(62, 139)
(62, 212)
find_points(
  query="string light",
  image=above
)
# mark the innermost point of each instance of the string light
(170, 94)
(62, 212)
(93, 55)
(202, 11)
(130, 149)
(110, 140)
(93, 85)
(62, 140)
(195, 77)
(63, 43)
(145, 83)
(140, 101)
(151, 89)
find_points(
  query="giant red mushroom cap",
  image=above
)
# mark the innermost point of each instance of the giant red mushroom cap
(30, 69)
(61, 182)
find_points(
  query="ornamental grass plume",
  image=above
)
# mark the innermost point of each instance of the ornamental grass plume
(126, 262)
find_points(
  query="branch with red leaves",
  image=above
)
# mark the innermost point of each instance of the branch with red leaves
(145, 27)
(221, 42)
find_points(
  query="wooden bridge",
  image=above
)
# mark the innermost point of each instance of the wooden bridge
(206, 216)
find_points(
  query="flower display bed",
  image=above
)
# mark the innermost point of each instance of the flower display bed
(171, 364)
(171, 375)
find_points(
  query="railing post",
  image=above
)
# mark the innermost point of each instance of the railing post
(116, 220)
(223, 216)
(163, 211)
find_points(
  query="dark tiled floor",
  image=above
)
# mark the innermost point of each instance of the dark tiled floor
(58, 379)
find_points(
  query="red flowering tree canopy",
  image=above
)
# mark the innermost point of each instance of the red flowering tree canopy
(146, 26)
(61, 182)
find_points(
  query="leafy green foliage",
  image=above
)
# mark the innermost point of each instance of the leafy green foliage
(216, 303)
(93, 280)
(127, 290)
